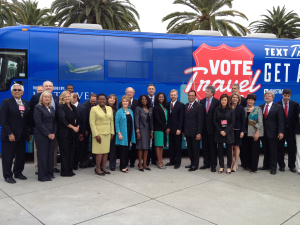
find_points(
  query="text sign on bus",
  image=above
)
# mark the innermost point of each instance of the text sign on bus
(221, 67)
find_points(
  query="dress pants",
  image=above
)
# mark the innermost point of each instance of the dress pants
(11, 150)
(66, 156)
(152, 154)
(175, 142)
(270, 146)
(132, 154)
(291, 147)
(45, 155)
(251, 149)
(124, 155)
(194, 151)
(113, 153)
(210, 151)
(298, 151)
(228, 154)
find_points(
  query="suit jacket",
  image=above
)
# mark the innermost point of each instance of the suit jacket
(240, 119)
(230, 117)
(63, 120)
(194, 120)
(34, 101)
(297, 126)
(44, 120)
(83, 118)
(289, 123)
(274, 123)
(131, 106)
(101, 122)
(88, 107)
(243, 102)
(209, 125)
(175, 117)
(140, 118)
(159, 119)
(11, 120)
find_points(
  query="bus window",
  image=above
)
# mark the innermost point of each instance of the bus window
(13, 64)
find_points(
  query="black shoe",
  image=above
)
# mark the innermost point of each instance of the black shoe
(204, 167)
(188, 166)
(176, 167)
(56, 170)
(10, 180)
(75, 167)
(106, 172)
(131, 165)
(36, 173)
(100, 174)
(192, 169)
(293, 170)
(147, 168)
(169, 164)
(251, 171)
(112, 169)
(21, 177)
(213, 170)
(273, 172)
(46, 179)
(263, 168)
(282, 169)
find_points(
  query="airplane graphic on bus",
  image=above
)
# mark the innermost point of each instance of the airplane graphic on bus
(83, 69)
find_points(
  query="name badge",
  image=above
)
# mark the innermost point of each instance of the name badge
(224, 123)
(21, 107)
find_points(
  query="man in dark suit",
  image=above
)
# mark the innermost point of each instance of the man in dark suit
(48, 86)
(290, 119)
(87, 132)
(193, 128)
(236, 88)
(175, 124)
(79, 155)
(152, 154)
(133, 104)
(209, 147)
(273, 130)
(14, 118)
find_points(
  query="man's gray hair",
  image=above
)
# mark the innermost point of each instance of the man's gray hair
(270, 92)
(47, 81)
(211, 88)
(12, 87)
(236, 84)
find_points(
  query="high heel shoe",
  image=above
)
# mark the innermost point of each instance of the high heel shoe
(100, 174)
(221, 171)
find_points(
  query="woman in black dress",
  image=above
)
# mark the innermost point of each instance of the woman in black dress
(143, 118)
(239, 127)
(67, 132)
(224, 118)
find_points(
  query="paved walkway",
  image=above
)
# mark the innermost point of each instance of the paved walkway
(158, 197)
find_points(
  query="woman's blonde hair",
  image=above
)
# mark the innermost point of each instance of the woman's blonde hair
(126, 98)
(62, 95)
(237, 94)
(42, 95)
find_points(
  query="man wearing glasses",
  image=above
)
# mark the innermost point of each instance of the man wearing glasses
(14, 120)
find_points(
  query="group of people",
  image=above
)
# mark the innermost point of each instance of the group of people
(129, 130)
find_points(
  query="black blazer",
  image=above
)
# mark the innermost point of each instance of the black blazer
(289, 123)
(88, 107)
(176, 117)
(194, 120)
(243, 102)
(208, 126)
(83, 118)
(230, 117)
(159, 119)
(44, 120)
(131, 106)
(11, 120)
(240, 119)
(274, 123)
(34, 101)
(63, 120)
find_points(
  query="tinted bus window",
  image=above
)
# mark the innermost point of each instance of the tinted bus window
(13, 64)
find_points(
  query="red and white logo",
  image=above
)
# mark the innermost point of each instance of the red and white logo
(221, 67)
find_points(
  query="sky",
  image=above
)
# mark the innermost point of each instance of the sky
(152, 11)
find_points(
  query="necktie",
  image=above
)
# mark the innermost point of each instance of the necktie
(171, 106)
(207, 106)
(266, 111)
(188, 109)
(53, 103)
(286, 110)
(152, 102)
(19, 102)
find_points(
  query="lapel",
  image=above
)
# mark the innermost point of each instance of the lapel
(101, 111)
(271, 109)
(213, 102)
(174, 106)
(16, 106)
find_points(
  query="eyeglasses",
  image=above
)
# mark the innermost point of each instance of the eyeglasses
(17, 90)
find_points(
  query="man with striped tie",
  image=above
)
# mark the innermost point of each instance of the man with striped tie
(14, 120)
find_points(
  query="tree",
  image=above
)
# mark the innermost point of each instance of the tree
(28, 13)
(279, 22)
(206, 15)
(7, 17)
(110, 14)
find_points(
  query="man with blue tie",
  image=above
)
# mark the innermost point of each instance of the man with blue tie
(290, 119)
(209, 147)
(273, 131)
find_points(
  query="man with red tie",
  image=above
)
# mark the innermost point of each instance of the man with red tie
(290, 118)
(273, 131)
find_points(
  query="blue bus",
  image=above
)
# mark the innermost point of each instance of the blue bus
(105, 61)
